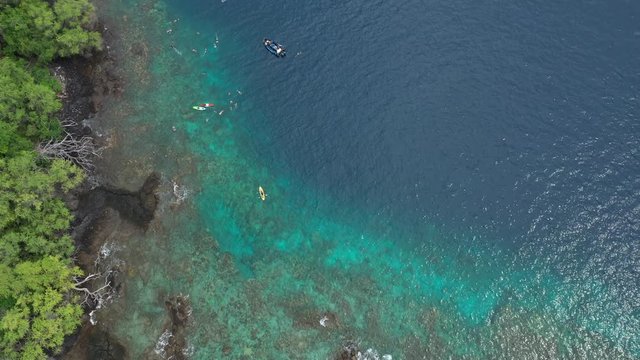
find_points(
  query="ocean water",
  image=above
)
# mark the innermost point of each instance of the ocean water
(444, 179)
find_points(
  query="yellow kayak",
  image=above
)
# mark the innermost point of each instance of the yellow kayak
(263, 195)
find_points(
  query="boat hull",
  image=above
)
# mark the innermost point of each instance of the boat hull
(273, 47)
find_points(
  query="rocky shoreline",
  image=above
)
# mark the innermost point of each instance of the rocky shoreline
(98, 208)
(103, 213)
(86, 82)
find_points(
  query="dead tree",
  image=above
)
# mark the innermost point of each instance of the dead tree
(81, 151)
(95, 299)
(101, 286)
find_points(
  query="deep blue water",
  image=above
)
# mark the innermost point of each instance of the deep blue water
(519, 120)
(461, 112)
(515, 121)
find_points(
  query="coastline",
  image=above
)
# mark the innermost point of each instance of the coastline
(99, 222)
(103, 213)
(97, 207)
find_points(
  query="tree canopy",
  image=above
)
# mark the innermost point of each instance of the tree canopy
(28, 101)
(41, 30)
(38, 303)
(11, 143)
(32, 219)
(43, 311)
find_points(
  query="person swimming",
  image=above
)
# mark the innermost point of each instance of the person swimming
(176, 49)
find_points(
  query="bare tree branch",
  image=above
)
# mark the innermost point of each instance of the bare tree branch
(88, 278)
(95, 298)
(80, 151)
(100, 287)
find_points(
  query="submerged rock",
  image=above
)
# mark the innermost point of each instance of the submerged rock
(349, 351)
(179, 310)
(137, 207)
(94, 343)
(172, 343)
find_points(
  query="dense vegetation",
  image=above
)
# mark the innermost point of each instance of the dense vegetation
(28, 101)
(35, 28)
(38, 303)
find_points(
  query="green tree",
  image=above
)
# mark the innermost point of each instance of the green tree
(38, 303)
(44, 309)
(35, 28)
(11, 143)
(29, 29)
(32, 219)
(28, 100)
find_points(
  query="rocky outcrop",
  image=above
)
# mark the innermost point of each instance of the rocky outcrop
(96, 344)
(172, 343)
(349, 351)
(100, 210)
(137, 207)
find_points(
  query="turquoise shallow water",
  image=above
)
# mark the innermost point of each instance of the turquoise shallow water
(261, 275)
